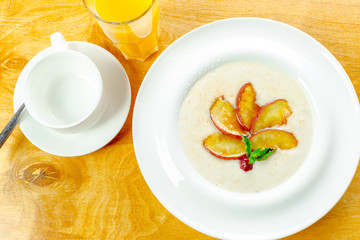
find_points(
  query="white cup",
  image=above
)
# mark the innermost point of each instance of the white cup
(64, 89)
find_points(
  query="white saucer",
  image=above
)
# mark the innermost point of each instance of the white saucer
(119, 98)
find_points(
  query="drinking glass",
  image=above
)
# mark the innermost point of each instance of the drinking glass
(136, 38)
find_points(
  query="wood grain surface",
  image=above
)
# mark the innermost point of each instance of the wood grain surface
(103, 195)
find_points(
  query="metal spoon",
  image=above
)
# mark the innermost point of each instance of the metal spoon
(11, 125)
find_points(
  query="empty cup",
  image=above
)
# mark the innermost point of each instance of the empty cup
(64, 89)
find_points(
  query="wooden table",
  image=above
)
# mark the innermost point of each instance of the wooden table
(103, 195)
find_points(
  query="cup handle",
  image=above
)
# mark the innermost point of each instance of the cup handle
(58, 40)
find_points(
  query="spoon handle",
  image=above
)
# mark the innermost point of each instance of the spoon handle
(11, 125)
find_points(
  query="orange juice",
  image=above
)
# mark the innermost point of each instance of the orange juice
(131, 24)
(121, 10)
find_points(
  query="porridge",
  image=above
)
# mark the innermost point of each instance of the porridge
(280, 109)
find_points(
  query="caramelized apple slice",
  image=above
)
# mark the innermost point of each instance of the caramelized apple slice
(224, 147)
(273, 138)
(271, 114)
(246, 108)
(223, 115)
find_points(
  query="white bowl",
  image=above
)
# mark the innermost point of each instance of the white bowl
(281, 211)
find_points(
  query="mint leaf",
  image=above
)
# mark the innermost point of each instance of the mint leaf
(264, 151)
(256, 153)
(265, 154)
(248, 146)
(251, 160)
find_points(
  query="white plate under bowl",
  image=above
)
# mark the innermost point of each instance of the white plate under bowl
(279, 212)
(118, 92)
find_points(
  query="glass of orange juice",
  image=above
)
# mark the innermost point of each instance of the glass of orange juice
(132, 25)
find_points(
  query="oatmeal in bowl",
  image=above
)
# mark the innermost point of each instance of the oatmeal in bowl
(246, 127)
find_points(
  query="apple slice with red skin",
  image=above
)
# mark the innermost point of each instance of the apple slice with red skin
(273, 138)
(223, 115)
(271, 114)
(246, 108)
(224, 147)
